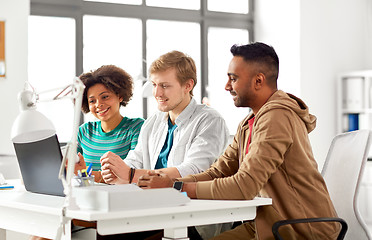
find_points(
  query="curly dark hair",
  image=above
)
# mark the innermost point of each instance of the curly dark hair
(113, 78)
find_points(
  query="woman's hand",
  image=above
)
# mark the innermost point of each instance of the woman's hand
(114, 170)
(80, 165)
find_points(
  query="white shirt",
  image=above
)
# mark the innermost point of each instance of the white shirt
(199, 139)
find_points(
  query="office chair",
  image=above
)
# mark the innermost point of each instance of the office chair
(342, 172)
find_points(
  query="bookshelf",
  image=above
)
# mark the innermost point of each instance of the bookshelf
(354, 101)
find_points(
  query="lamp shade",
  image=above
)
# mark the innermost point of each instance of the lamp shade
(30, 126)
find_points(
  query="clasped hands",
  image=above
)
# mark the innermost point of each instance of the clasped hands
(115, 171)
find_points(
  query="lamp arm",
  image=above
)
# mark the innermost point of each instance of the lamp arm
(66, 92)
(71, 152)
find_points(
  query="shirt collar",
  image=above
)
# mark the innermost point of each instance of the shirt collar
(185, 114)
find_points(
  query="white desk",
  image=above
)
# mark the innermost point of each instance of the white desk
(40, 215)
(33, 214)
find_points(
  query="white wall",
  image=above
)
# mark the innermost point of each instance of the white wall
(338, 43)
(277, 23)
(328, 37)
(15, 13)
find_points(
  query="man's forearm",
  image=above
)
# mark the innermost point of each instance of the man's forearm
(138, 173)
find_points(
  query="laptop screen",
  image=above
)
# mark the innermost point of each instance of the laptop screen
(39, 163)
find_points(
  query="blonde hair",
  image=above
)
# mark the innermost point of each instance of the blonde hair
(182, 63)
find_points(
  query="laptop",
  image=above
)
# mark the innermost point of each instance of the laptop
(39, 163)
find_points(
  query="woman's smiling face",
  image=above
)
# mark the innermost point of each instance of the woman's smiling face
(103, 103)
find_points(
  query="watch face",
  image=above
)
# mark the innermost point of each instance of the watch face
(178, 185)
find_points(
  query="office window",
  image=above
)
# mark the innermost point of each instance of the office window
(182, 4)
(116, 41)
(231, 6)
(166, 36)
(132, 33)
(51, 65)
(219, 57)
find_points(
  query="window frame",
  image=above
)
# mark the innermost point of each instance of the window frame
(76, 9)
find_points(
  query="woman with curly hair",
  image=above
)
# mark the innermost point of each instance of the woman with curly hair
(106, 90)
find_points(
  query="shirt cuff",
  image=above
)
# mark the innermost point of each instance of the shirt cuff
(188, 178)
(204, 190)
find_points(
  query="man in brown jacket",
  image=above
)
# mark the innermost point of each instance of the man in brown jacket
(270, 155)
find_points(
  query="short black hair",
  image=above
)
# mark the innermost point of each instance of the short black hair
(260, 53)
(113, 78)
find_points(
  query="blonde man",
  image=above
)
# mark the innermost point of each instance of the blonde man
(182, 138)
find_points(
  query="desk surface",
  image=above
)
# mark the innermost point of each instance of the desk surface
(41, 214)
(193, 205)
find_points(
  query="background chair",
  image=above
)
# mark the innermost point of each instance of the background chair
(342, 172)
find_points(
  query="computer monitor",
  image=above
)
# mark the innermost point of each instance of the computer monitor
(39, 163)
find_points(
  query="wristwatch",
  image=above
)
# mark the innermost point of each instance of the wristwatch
(178, 185)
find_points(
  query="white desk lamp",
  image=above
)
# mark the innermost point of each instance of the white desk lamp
(31, 126)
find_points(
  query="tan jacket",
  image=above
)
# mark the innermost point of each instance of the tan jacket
(280, 165)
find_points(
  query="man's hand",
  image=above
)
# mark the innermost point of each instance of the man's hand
(155, 179)
(114, 169)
